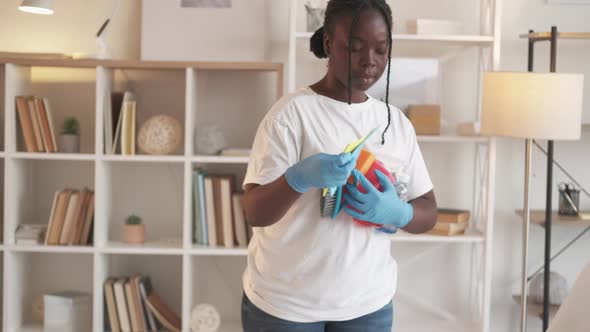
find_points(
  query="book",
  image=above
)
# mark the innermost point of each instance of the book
(452, 215)
(142, 323)
(448, 228)
(107, 123)
(222, 188)
(46, 126)
(109, 294)
(128, 128)
(168, 318)
(128, 96)
(122, 310)
(51, 215)
(239, 220)
(30, 234)
(145, 288)
(36, 125)
(49, 113)
(39, 120)
(86, 235)
(131, 306)
(210, 210)
(54, 232)
(70, 218)
(76, 234)
(199, 214)
(26, 125)
(116, 102)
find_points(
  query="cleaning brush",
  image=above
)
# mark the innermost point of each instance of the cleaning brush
(330, 201)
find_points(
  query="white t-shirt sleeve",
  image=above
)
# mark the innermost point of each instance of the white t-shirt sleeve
(419, 179)
(273, 151)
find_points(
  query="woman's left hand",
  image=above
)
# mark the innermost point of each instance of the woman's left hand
(384, 208)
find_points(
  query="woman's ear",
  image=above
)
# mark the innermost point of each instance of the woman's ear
(326, 44)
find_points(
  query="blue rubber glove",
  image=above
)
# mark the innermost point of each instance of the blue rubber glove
(321, 170)
(384, 208)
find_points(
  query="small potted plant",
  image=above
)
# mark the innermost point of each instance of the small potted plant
(69, 139)
(133, 230)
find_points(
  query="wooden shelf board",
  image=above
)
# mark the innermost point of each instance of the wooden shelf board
(535, 309)
(138, 64)
(401, 236)
(560, 35)
(538, 217)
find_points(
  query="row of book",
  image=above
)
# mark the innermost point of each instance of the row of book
(451, 222)
(218, 215)
(71, 217)
(120, 123)
(36, 124)
(132, 305)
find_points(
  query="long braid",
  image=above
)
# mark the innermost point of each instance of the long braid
(355, 18)
(386, 12)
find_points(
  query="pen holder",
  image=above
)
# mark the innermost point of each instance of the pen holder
(569, 200)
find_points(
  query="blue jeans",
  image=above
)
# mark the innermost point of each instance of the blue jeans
(256, 320)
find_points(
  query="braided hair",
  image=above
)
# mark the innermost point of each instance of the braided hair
(336, 8)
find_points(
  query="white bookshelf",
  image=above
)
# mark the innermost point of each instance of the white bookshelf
(462, 60)
(158, 188)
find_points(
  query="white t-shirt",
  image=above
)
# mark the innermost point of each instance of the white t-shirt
(306, 268)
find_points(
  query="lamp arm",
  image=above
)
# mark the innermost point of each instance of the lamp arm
(104, 25)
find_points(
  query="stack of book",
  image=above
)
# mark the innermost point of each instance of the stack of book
(133, 305)
(30, 234)
(36, 124)
(218, 215)
(451, 222)
(121, 107)
(71, 217)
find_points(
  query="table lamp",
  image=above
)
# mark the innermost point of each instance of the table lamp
(529, 105)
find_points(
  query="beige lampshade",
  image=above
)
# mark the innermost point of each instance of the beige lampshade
(532, 105)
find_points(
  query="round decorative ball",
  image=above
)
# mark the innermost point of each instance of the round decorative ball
(209, 140)
(205, 318)
(160, 134)
(558, 288)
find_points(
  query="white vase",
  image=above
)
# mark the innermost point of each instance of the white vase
(69, 143)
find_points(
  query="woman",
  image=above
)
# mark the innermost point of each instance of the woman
(305, 272)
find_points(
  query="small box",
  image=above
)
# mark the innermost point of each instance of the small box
(425, 118)
(68, 311)
(433, 27)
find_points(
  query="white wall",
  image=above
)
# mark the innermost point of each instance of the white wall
(170, 32)
(71, 28)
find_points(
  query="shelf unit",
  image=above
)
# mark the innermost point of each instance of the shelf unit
(164, 182)
(485, 47)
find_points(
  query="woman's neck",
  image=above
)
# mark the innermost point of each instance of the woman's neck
(331, 87)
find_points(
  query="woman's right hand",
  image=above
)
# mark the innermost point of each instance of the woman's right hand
(321, 170)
